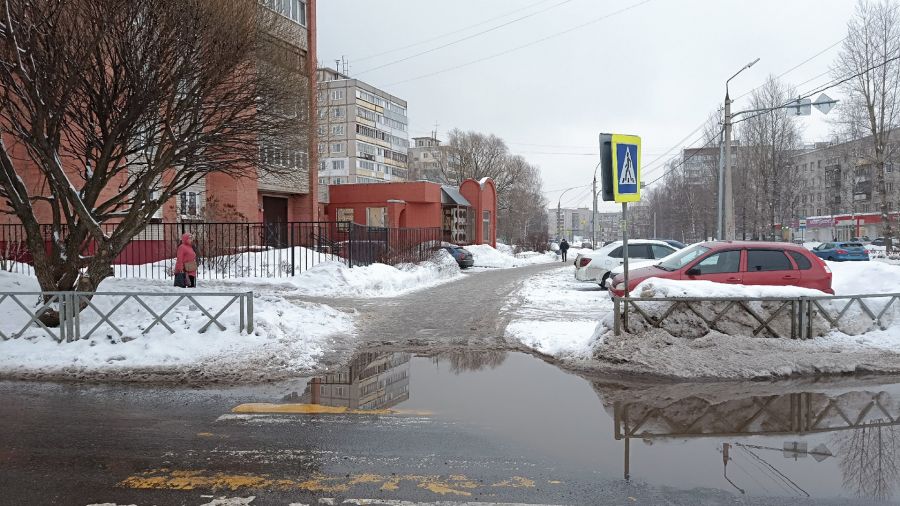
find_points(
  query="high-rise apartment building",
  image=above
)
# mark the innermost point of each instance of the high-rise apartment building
(363, 132)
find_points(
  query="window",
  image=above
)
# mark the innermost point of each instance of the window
(337, 130)
(337, 147)
(337, 94)
(344, 217)
(337, 112)
(800, 259)
(322, 166)
(188, 204)
(639, 251)
(322, 130)
(660, 251)
(486, 226)
(719, 263)
(337, 165)
(376, 216)
(323, 147)
(761, 260)
(682, 258)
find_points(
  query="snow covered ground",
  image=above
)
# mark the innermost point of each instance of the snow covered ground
(503, 257)
(555, 315)
(287, 338)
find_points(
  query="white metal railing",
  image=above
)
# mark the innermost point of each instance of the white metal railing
(72, 307)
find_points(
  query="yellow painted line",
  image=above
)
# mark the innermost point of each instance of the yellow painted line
(315, 409)
(172, 479)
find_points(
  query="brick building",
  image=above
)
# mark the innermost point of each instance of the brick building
(254, 196)
(466, 215)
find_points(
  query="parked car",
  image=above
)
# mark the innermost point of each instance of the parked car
(596, 265)
(462, 256)
(841, 251)
(737, 262)
(879, 241)
(864, 239)
(672, 242)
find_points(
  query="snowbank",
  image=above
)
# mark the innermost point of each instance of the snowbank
(334, 279)
(554, 317)
(554, 314)
(503, 258)
(286, 340)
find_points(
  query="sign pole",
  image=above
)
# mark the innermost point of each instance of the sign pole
(625, 259)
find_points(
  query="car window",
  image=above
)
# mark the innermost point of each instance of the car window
(851, 245)
(726, 261)
(683, 257)
(616, 253)
(639, 251)
(761, 260)
(800, 259)
(660, 251)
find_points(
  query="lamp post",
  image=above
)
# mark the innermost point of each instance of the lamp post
(559, 220)
(594, 212)
(728, 201)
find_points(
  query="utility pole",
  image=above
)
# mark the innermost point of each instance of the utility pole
(728, 202)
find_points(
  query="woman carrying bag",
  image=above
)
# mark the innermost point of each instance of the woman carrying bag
(186, 264)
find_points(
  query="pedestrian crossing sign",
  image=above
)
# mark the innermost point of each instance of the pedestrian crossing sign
(626, 165)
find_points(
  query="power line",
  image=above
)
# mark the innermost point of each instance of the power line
(795, 67)
(454, 32)
(523, 46)
(462, 39)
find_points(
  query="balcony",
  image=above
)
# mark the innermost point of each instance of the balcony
(294, 182)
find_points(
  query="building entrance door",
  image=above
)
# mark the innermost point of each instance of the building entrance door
(275, 217)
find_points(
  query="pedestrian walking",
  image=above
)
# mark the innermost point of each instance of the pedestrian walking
(563, 248)
(186, 263)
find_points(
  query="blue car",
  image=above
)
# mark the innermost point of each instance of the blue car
(841, 251)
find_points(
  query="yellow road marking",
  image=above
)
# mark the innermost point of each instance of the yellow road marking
(171, 479)
(315, 409)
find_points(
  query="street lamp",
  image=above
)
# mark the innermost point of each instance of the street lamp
(728, 203)
(559, 221)
(594, 215)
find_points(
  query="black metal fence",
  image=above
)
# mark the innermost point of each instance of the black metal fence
(243, 250)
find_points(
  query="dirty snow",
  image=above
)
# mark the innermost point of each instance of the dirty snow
(555, 315)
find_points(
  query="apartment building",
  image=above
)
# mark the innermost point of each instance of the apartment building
(430, 160)
(840, 198)
(363, 132)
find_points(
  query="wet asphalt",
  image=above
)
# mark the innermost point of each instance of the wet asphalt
(459, 420)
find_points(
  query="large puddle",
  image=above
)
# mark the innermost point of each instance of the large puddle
(834, 438)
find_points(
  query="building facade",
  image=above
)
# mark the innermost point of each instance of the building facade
(840, 197)
(363, 132)
(288, 33)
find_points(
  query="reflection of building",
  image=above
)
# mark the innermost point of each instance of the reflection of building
(371, 381)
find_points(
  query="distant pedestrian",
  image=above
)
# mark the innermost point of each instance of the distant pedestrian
(186, 263)
(563, 248)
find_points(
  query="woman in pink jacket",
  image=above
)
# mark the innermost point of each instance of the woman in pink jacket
(186, 264)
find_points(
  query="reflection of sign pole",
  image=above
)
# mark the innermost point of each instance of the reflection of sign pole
(621, 177)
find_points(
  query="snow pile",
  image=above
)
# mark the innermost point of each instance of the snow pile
(334, 279)
(664, 288)
(554, 314)
(503, 258)
(286, 340)
(853, 278)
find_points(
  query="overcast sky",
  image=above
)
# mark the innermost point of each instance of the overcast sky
(655, 70)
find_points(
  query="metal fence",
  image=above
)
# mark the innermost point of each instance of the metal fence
(793, 317)
(77, 308)
(237, 250)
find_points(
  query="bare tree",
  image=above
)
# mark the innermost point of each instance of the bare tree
(869, 57)
(870, 460)
(770, 140)
(110, 109)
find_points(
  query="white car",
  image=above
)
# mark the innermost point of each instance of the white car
(596, 265)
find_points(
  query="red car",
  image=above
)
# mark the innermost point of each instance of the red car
(737, 262)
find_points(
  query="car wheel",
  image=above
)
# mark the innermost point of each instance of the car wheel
(603, 281)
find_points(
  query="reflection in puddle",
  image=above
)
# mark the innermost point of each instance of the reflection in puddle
(371, 381)
(857, 428)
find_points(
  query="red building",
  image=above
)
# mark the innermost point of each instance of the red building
(466, 215)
